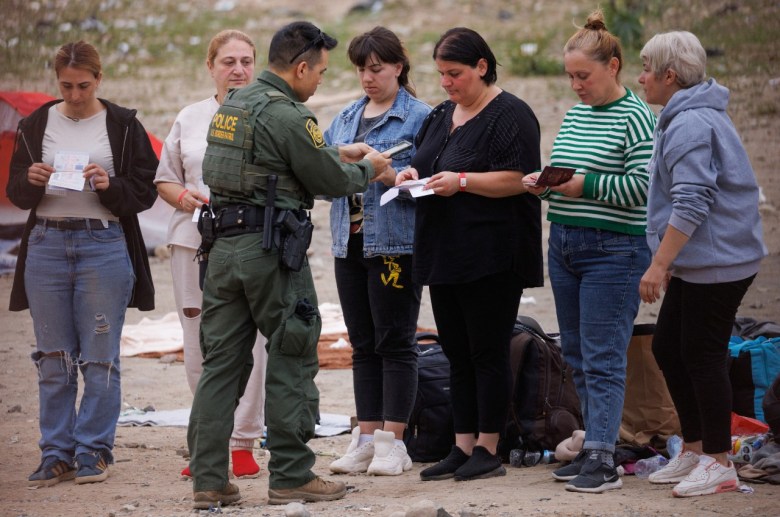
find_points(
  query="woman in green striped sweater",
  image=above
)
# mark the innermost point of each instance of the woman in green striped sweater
(597, 249)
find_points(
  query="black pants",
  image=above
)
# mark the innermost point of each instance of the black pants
(475, 322)
(691, 348)
(381, 305)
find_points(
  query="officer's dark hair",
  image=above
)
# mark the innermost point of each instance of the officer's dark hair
(385, 45)
(296, 42)
(465, 46)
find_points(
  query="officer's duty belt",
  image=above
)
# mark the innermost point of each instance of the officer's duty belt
(238, 219)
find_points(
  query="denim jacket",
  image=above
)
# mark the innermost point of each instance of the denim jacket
(389, 229)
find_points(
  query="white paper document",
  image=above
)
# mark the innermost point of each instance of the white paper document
(414, 187)
(69, 170)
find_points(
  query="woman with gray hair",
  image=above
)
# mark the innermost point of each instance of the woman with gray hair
(704, 229)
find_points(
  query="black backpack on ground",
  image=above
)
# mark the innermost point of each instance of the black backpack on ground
(430, 433)
(544, 409)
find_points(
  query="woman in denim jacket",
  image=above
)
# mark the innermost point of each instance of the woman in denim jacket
(373, 249)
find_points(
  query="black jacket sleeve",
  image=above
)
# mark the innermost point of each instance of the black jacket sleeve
(27, 151)
(132, 190)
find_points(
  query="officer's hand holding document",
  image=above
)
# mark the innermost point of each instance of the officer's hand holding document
(412, 187)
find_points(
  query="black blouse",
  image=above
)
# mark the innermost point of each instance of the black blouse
(465, 237)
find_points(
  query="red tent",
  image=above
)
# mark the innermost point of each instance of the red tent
(14, 106)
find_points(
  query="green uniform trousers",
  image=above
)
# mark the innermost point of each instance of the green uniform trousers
(245, 290)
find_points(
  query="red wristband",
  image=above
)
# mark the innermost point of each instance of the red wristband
(462, 181)
(178, 200)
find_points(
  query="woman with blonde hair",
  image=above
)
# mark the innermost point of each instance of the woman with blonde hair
(597, 249)
(231, 62)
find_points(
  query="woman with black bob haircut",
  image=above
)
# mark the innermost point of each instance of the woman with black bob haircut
(477, 240)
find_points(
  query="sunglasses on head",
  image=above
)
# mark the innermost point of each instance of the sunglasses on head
(310, 45)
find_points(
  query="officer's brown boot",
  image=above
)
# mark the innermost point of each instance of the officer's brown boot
(317, 489)
(212, 498)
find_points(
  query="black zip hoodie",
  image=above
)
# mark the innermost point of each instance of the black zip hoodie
(130, 191)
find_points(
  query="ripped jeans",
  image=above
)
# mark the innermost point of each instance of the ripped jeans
(78, 285)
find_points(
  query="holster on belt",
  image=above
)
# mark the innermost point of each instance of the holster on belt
(295, 228)
(208, 236)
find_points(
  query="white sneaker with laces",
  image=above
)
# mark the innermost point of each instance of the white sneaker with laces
(709, 477)
(356, 459)
(390, 457)
(677, 468)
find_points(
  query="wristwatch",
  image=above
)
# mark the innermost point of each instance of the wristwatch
(462, 181)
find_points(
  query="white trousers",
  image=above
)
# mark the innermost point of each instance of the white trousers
(249, 415)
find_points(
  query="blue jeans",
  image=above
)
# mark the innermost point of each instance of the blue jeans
(79, 283)
(595, 280)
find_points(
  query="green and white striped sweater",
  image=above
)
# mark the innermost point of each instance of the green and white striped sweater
(611, 145)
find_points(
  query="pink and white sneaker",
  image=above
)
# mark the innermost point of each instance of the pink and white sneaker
(709, 477)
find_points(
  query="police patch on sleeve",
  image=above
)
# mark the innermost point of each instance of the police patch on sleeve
(315, 133)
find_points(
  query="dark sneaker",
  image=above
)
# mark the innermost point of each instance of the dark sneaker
(446, 468)
(93, 468)
(317, 489)
(598, 475)
(216, 498)
(51, 471)
(572, 470)
(480, 465)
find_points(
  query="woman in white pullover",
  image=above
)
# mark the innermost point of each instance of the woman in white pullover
(231, 63)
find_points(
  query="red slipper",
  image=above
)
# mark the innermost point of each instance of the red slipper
(186, 472)
(244, 464)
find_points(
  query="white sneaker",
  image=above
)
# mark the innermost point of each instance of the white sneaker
(356, 458)
(677, 468)
(709, 477)
(390, 457)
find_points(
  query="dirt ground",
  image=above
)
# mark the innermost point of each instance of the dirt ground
(145, 478)
(144, 481)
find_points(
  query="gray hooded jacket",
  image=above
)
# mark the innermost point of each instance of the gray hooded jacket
(702, 183)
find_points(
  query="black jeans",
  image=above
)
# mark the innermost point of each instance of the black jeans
(691, 348)
(381, 305)
(475, 322)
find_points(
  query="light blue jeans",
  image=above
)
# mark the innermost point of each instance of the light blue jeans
(595, 280)
(78, 285)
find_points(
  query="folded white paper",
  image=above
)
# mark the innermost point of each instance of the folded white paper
(414, 187)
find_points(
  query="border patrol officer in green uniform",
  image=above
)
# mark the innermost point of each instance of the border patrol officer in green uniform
(266, 150)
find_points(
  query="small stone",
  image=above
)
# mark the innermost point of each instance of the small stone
(15, 409)
(424, 508)
(168, 358)
(296, 510)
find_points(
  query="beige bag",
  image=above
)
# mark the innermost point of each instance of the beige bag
(649, 416)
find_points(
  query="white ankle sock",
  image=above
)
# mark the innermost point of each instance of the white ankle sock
(364, 438)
